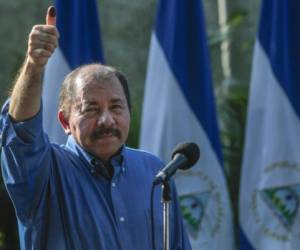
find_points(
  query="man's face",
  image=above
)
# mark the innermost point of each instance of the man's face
(99, 118)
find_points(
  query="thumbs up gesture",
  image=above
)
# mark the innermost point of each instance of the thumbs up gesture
(43, 39)
(51, 16)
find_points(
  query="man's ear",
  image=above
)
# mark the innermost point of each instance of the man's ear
(64, 121)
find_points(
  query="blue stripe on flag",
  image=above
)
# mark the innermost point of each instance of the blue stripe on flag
(244, 242)
(78, 24)
(180, 30)
(279, 35)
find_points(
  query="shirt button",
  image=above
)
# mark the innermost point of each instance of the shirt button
(93, 171)
(113, 184)
(122, 219)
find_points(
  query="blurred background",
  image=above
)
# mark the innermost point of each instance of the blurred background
(126, 30)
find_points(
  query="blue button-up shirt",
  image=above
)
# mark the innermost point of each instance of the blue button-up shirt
(63, 203)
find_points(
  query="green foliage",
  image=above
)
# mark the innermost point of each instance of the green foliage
(235, 20)
(232, 105)
(232, 102)
(133, 137)
(232, 97)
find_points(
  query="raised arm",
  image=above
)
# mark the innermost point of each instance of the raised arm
(26, 95)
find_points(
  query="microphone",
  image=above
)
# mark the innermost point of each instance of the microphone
(184, 156)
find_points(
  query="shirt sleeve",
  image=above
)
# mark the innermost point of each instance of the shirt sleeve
(25, 162)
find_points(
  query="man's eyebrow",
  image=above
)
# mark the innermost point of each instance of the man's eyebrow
(117, 100)
(90, 103)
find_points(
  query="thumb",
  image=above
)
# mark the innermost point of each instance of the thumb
(51, 16)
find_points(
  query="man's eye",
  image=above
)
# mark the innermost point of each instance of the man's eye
(117, 107)
(90, 110)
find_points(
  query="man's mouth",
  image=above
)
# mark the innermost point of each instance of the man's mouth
(104, 135)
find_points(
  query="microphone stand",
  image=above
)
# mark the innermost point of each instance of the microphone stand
(166, 199)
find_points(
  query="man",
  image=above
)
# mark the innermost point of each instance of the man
(93, 192)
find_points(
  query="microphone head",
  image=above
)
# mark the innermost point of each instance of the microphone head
(190, 150)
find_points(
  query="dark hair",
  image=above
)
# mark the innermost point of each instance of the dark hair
(97, 71)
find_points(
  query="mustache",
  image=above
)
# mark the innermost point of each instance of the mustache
(100, 132)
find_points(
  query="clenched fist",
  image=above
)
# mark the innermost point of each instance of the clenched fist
(43, 39)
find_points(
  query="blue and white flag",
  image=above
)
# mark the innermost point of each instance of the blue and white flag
(179, 106)
(270, 183)
(79, 43)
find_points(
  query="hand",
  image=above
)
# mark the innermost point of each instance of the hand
(43, 39)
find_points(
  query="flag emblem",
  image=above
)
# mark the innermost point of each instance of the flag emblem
(283, 202)
(276, 206)
(203, 209)
(193, 208)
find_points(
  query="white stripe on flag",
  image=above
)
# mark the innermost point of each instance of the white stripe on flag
(56, 70)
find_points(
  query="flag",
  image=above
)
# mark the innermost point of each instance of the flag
(270, 181)
(79, 43)
(179, 106)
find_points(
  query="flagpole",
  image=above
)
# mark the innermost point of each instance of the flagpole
(225, 50)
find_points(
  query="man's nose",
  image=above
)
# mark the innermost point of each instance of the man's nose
(106, 119)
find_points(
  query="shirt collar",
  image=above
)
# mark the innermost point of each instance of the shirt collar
(116, 161)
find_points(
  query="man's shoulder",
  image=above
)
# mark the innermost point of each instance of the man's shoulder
(142, 162)
(62, 150)
(142, 155)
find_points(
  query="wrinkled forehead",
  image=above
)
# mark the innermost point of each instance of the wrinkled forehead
(89, 84)
(95, 75)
